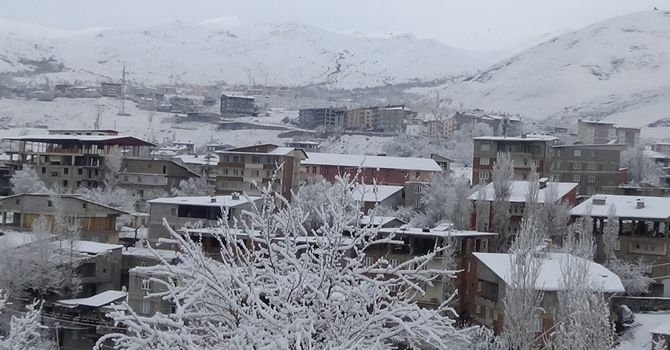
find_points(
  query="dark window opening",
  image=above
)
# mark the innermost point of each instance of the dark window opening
(199, 212)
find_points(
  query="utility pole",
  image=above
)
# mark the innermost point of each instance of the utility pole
(122, 107)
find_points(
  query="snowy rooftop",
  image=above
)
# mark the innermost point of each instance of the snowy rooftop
(434, 232)
(198, 159)
(595, 122)
(278, 151)
(663, 329)
(88, 247)
(549, 277)
(374, 162)
(519, 190)
(529, 137)
(377, 220)
(13, 239)
(206, 201)
(97, 300)
(625, 206)
(655, 155)
(81, 138)
(371, 193)
(146, 253)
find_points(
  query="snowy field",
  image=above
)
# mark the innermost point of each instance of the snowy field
(640, 338)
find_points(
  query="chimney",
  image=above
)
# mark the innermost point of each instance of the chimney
(212, 200)
(640, 203)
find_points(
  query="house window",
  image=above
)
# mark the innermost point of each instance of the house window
(484, 161)
(537, 325)
(578, 153)
(592, 179)
(469, 266)
(478, 309)
(387, 173)
(18, 201)
(393, 263)
(139, 179)
(575, 178)
(479, 286)
(577, 166)
(44, 170)
(418, 174)
(80, 171)
(418, 189)
(164, 169)
(145, 307)
(146, 284)
(96, 172)
(66, 170)
(54, 173)
(484, 175)
(84, 205)
(65, 183)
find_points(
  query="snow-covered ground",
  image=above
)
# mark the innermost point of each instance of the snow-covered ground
(640, 338)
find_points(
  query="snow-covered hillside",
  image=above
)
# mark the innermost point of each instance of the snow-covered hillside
(225, 50)
(618, 69)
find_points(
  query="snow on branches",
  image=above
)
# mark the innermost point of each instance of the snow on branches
(277, 284)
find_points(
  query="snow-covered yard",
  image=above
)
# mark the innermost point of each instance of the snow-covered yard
(640, 338)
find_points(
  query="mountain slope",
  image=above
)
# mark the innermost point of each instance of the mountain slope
(223, 50)
(612, 69)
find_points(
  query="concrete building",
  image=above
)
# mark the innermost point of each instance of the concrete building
(328, 117)
(194, 212)
(97, 221)
(644, 231)
(145, 175)
(382, 169)
(594, 132)
(421, 241)
(233, 105)
(661, 147)
(111, 89)
(239, 168)
(493, 277)
(72, 159)
(391, 118)
(526, 151)
(554, 192)
(591, 166)
(369, 196)
(628, 136)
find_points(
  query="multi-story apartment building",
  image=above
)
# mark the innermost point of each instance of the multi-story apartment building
(143, 175)
(245, 169)
(526, 151)
(590, 166)
(628, 136)
(492, 276)
(554, 192)
(644, 231)
(194, 212)
(232, 105)
(72, 158)
(382, 169)
(97, 222)
(501, 125)
(661, 147)
(594, 132)
(391, 118)
(328, 117)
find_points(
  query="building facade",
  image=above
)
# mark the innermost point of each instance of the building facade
(591, 166)
(245, 169)
(232, 105)
(594, 132)
(526, 152)
(145, 175)
(328, 117)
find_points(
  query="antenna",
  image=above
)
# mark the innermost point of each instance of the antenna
(122, 106)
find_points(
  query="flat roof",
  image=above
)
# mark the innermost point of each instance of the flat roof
(519, 190)
(625, 207)
(205, 201)
(434, 232)
(374, 162)
(549, 278)
(278, 151)
(198, 159)
(528, 138)
(594, 122)
(123, 140)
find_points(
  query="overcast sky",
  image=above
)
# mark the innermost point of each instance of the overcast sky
(475, 24)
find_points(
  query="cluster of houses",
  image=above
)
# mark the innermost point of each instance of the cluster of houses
(585, 175)
(386, 119)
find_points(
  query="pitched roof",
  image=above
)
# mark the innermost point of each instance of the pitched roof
(519, 190)
(75, 196)
(97, 300)
(205, 201)
(373, 162)
(105, 139)
(549, 278)
(374, 193)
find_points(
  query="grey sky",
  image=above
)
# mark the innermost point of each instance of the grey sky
(477, 24)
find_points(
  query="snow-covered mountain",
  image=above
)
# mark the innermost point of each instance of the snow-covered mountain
(618, 69)
(227, 50)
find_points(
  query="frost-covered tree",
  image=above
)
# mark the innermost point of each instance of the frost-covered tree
(632, 273)
(46, 266)
(446, 199)
(503, 174)
(113, 163)
(522, 300)
(554, 214)
(110, 193)
(26, 180)
(195, 186)
(640, 167)
(313, 197)
(290, 287)
(482, 210)
(582, 316)
(25, 332)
